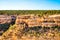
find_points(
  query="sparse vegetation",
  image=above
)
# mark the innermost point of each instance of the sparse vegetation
(21, 32)
(22, 12)
(16, 33)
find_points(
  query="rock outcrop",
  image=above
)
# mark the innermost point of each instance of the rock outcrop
(27, 27)
(17, 32)
(5, 21)
(35, 20)
(30, 20)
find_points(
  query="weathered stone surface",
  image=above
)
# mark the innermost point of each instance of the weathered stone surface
(6, 19)
(15, 32)
(34, 20)
(29, 20)
(5, 22)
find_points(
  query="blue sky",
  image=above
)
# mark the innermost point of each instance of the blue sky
(29, 4)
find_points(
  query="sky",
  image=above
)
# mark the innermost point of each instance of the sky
(29, 4)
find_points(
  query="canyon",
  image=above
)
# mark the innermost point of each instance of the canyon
(30, 27)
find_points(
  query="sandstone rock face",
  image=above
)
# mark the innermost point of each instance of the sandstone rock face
(15, 32)
(29, 20)
(5, 22)
(52, 20)
(34, 20)
(5, 19)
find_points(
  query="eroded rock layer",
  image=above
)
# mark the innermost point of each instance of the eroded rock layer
(35, 20)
